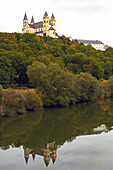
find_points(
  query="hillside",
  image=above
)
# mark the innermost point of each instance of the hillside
(18, 51)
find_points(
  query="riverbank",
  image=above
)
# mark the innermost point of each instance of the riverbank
(82, 88)
(14, 102)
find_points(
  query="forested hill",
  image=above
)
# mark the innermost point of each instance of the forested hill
(18, 51)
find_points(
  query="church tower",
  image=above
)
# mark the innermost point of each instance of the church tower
(54, 155)
(47, 155)
(32, 20)
(26, 154)
(45, 23)
(53, 21)
(25, 23)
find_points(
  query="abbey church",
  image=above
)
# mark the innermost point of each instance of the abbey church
(46, 26)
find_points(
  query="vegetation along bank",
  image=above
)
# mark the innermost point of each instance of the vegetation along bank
(63, 72)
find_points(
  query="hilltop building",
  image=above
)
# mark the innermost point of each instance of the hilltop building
(46, 26)
(97, 44)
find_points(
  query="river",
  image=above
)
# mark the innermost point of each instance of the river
(78, 137)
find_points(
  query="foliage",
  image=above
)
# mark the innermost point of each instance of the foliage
(14, 103)
(106, 88)
(32, 101)
(18, 51)
(60, 87)
(5, 71)
(53, 65)
(110, 83)
(89, 87)
(1, 101)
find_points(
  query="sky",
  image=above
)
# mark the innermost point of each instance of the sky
(80, 19)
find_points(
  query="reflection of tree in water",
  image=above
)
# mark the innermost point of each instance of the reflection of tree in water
(50, 152)
(57, 124)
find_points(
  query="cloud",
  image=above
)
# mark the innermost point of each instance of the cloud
(84, 6)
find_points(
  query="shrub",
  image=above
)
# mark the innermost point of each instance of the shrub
(110, 84)
(89, 87)
(1, 101)
(14, 103)
(106, 88)
(33, 101)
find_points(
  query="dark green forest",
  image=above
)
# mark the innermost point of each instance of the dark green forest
(18, 51)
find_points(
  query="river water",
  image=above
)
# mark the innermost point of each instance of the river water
(79, 137)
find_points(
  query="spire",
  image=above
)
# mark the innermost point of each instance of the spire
(25, 17)
(32, 20)
(46, 14)
(26, 160)
(52, 17)
(33, 155)
(46, 163)
(53, 160)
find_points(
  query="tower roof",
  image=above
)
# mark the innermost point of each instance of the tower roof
(47, 163)
(33, 155)
(25, 17)
(46, 14)
(51, 28)
(26, 160)
(32, 19)
(53, 17)
(53, 160)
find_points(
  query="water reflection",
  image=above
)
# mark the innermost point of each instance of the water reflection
(50, 152)
(42, 133)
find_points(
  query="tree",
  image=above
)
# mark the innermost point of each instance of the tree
(1, 101)
(108, 69)
(110, 83)
(5, 71)
(37, 74)
(88, 86)
(55, 84)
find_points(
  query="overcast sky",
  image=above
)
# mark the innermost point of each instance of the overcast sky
(80, 19)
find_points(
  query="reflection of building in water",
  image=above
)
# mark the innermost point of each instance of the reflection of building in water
(50, 152)
(27, 151)
(100, 129)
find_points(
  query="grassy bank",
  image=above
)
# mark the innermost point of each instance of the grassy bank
(14, 102)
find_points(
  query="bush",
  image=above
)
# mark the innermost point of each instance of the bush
(110, 84)
(1, 94)
(33, 101)
(1, 101)
(89, 87)
(14, 103)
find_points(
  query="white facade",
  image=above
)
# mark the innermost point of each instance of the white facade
(46, 26)
(98, 45)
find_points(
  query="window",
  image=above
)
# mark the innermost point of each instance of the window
(27, 31)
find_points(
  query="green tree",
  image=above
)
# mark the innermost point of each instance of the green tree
(110, 83)
(1, 101)
(108, 69)
(33, 101)
(88, 86)
(5, 71)
(55, 84)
